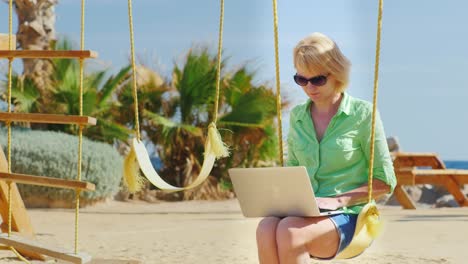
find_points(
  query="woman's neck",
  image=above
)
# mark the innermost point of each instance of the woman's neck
(327, 106)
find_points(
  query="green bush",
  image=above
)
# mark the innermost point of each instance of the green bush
(55, 154)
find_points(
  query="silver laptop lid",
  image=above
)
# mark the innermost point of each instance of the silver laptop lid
(277, 191)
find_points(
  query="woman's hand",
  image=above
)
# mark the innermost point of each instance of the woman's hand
(353, 197)
(329, 203)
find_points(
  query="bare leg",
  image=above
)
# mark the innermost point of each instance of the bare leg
(297, 238)
(266, 240)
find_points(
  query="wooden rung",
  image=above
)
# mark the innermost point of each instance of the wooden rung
(47, 181)
(48, 118)
(52, 54)
(30, 245)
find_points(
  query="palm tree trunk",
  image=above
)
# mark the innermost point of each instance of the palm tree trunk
(36, 31)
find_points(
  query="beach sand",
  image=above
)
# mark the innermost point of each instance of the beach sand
(216, 232)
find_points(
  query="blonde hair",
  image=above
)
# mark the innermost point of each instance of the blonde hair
(319, 53)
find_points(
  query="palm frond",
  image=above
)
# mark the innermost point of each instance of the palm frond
(166, 123)
(109, 131)
(240, 83)
(25, 95)
(197, 84)
(112, 84)
(253, 107)
(93, 80)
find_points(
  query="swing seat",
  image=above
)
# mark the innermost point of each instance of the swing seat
(367, 228)
(152, 175)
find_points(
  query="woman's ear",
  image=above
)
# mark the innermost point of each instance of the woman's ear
(337, 84)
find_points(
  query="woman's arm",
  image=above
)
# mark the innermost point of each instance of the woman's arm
(355, 196)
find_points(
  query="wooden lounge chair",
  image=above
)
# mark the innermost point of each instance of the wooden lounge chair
(426, 168)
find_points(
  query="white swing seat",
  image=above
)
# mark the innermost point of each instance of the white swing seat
(150, 173)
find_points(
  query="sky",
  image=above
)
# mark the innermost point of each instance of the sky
(423, 87)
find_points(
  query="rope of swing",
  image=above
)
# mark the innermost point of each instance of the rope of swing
(80, 132)
(374, 100)
(134, 72)
(134, 77)
(278, 88)
(218, 70)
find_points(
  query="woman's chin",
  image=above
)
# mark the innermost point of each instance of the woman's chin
(314, 97)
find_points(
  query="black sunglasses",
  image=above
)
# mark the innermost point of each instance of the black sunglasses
(318, 80)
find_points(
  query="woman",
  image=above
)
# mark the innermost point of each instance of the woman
(329, 135)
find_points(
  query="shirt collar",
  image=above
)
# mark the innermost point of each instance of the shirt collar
(345, 105)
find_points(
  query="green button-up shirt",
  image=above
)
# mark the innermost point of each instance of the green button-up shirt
(339, 162)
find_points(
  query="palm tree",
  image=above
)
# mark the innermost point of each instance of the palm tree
(36, 31)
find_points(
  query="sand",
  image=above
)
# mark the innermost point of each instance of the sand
(216, 232)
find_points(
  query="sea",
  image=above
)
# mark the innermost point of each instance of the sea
(456, 164)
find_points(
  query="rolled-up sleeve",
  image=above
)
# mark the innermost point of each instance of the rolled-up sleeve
(383, 165)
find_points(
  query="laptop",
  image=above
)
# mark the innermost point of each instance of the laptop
(276, 191)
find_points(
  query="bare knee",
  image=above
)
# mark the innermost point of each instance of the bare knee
(324, 247)
(266, 229)
(288, 232)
